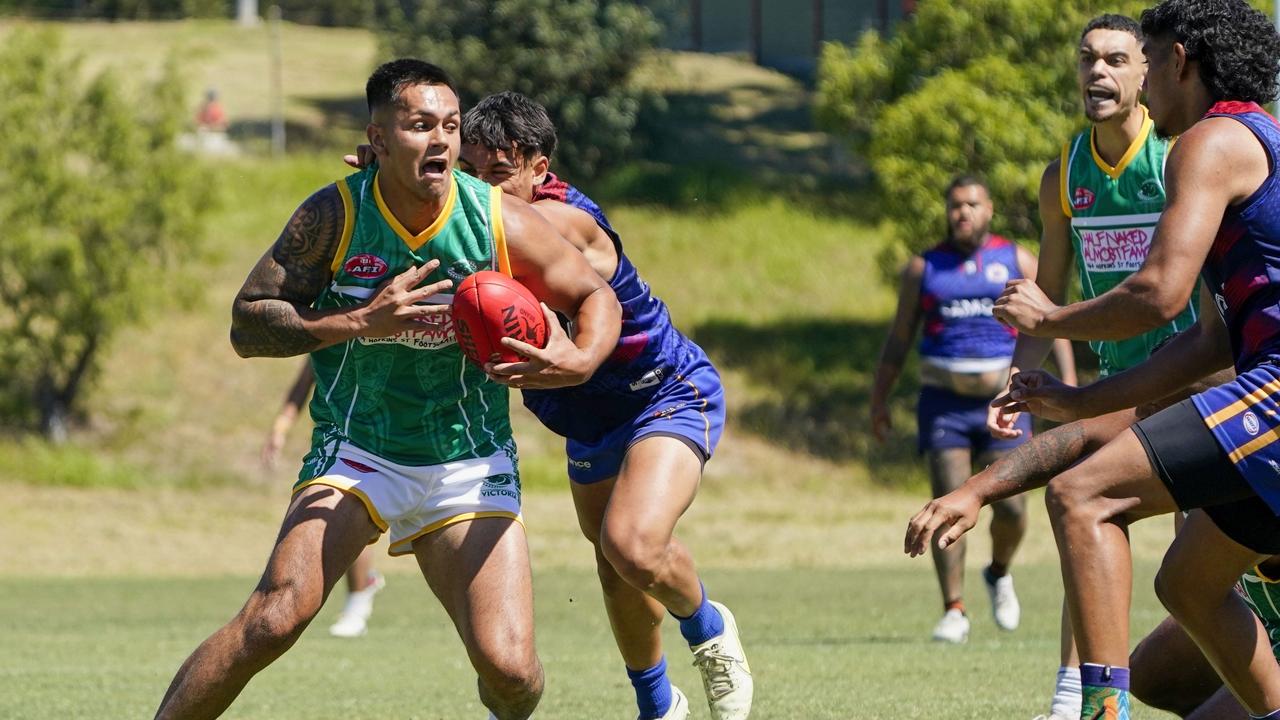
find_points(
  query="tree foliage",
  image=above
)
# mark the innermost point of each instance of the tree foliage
(573, 56)
(976, 86)
(97, 205)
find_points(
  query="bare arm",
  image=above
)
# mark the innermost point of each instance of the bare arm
(896, 345)
(583, 232)
(1215, 164)
(1202, 349)
(1053, 266)
(272, 314)
(1031, 465)
(557, 274)
(1063, 358)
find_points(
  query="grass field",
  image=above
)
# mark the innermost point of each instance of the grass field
(128, 546)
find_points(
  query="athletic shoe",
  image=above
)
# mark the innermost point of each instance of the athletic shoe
(1004, 601)
(952, 628)
(679, 709)
(1051, 717)
(354, 619)
(726, 677)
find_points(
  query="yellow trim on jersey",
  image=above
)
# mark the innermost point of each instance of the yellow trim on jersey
(346, 486)
(1115, 172)
(1242, 404)
(1063, 180)
(499, 232)
(1257, 571)
(1254, 445)
(416, 241)
(348, 225)
(401, 547)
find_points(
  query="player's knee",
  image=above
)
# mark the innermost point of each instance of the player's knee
(635, 556)
(1143, 683)
(1181, 595)
(274, 619)
(514, 675)
(1067, 502)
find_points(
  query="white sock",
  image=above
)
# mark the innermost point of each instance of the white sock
(1067, 695)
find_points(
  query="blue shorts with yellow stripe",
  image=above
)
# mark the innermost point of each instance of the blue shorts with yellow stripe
(688, 407)
(1244, 417)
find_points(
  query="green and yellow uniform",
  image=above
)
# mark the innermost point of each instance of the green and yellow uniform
(423, 436)
(1113, 213)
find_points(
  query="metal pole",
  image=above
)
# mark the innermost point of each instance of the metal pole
(247, 13)
(277, 84)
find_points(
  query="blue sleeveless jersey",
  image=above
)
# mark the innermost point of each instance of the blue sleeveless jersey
(957, 293)
(649, 354)
(1242, 271)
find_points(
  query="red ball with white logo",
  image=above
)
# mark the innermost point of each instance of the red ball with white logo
(489, 306)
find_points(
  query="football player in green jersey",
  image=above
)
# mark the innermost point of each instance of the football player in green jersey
(1099, 204)
(410, 438)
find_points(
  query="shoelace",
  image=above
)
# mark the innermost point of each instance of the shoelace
(715, 665)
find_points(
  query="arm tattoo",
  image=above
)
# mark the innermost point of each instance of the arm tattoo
(267, 315)
(1037, 461)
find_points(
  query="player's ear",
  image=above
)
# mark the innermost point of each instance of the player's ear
(373, 131)
(1179, 59)
(541, 165)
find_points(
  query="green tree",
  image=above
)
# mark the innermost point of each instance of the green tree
(985, 86)
(98, 208)
(573, 56)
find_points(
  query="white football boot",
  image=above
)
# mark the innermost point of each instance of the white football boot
(726, 676)
(354, 619)
(952, 628)
(1004, 601)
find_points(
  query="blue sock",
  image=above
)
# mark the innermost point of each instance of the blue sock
(653, 690)
(1105, 692)
(704, 624)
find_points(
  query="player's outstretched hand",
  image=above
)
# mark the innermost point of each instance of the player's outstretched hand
(559, 364)
(1023, 306)
(1000, 425)
(396, 306)
(363, 158)
(1043, 395)
(953, 514)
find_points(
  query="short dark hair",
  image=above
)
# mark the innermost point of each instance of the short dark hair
(512, 122)
(391, 78)
(1112, 21)
(965, 180)
(1236, 47)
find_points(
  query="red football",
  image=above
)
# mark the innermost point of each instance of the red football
(489, 306)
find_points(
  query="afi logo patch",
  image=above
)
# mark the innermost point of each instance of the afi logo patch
(1083, 199)
(1251, 423)
(366, 267)
(997, 273)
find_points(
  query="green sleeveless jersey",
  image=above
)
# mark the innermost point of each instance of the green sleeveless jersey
(1113, 213)
(413, 398)
(1262, 595)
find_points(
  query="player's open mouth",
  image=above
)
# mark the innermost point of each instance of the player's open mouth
(435, 166)
(1100, 94)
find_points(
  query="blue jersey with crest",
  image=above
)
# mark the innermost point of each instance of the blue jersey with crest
(957, 293)
(650, 352)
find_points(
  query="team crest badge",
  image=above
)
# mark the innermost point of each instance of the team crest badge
(996, 273)
(366, 267)
(970, 267)
(1082, 199)
(1149, 191)
(1251, 425)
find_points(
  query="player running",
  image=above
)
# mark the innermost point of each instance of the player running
(409, 438)
(964, 359)
(1099, 203)
(638, 433)
(1210, 63)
